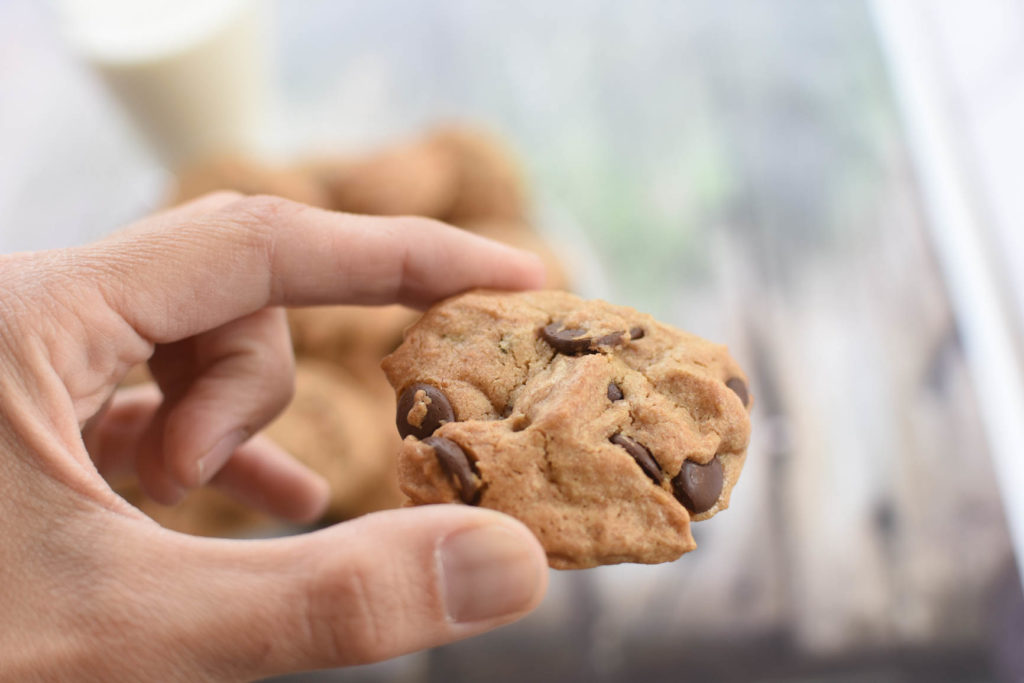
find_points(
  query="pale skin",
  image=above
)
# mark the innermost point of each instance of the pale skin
(90, 588)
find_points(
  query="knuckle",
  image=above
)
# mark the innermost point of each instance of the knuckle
(258, 221)
(51, 297)
(263, 213)
(346, 617)
(423, 226)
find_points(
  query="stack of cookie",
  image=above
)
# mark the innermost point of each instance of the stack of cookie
(341, 421)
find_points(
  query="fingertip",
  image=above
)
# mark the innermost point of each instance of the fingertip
(200, 472)
(491, 568)
(313, 506)
(535, 274)
(261, 475)
(516, 268)
(159, 487)
(493, 572)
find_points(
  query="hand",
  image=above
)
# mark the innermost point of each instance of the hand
(90, 588)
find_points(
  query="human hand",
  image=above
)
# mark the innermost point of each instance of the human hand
(90, 588)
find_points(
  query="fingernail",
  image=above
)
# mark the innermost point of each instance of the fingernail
(215, 458)
(487, 572)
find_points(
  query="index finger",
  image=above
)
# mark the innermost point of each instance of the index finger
(184, 277)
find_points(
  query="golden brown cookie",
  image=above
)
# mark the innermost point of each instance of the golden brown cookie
(248, 176)
(355, 338)
(137, 374)
(413, 179)
(605, 431)
(490, 183)
(203, 512)
(341, 429)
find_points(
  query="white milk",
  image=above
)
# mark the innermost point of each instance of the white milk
(193, 74)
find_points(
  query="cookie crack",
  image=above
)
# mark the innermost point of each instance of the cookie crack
(532, 371)
(548, 467)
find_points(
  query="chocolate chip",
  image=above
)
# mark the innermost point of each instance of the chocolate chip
(422, 408)
(573, 341)
(636, 333)
(642, 456)
(614, 392)
(458, 466)
(740, 387)
(698, 486)
(611, 339)
(569, 341)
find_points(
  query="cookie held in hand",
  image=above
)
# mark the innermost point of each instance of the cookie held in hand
(603, 430)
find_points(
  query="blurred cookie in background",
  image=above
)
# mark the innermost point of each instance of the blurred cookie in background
(249, 177)
(418, 178)
(203, 512)
(490, 181)
(342, 431)
(355, 338)
(137, 374)
(455, 173)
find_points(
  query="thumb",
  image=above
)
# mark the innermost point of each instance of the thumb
(380, 586)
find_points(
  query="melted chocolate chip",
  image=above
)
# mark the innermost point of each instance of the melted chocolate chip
(698, 486)
(614, 392)
(573, 341)
(458, 466)
(569, 341)
(636, 333)
(422, 408)
(740, 387)
(611, 339)
(642, 456)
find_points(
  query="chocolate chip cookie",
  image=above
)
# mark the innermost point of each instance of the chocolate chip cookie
(603, 430)
(355, 338)
(489, 182)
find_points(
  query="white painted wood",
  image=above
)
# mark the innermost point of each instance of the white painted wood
(920, 60)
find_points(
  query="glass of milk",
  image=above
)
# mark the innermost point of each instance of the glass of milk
(194, 75)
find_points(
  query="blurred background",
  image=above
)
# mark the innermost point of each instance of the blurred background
(832, 189)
